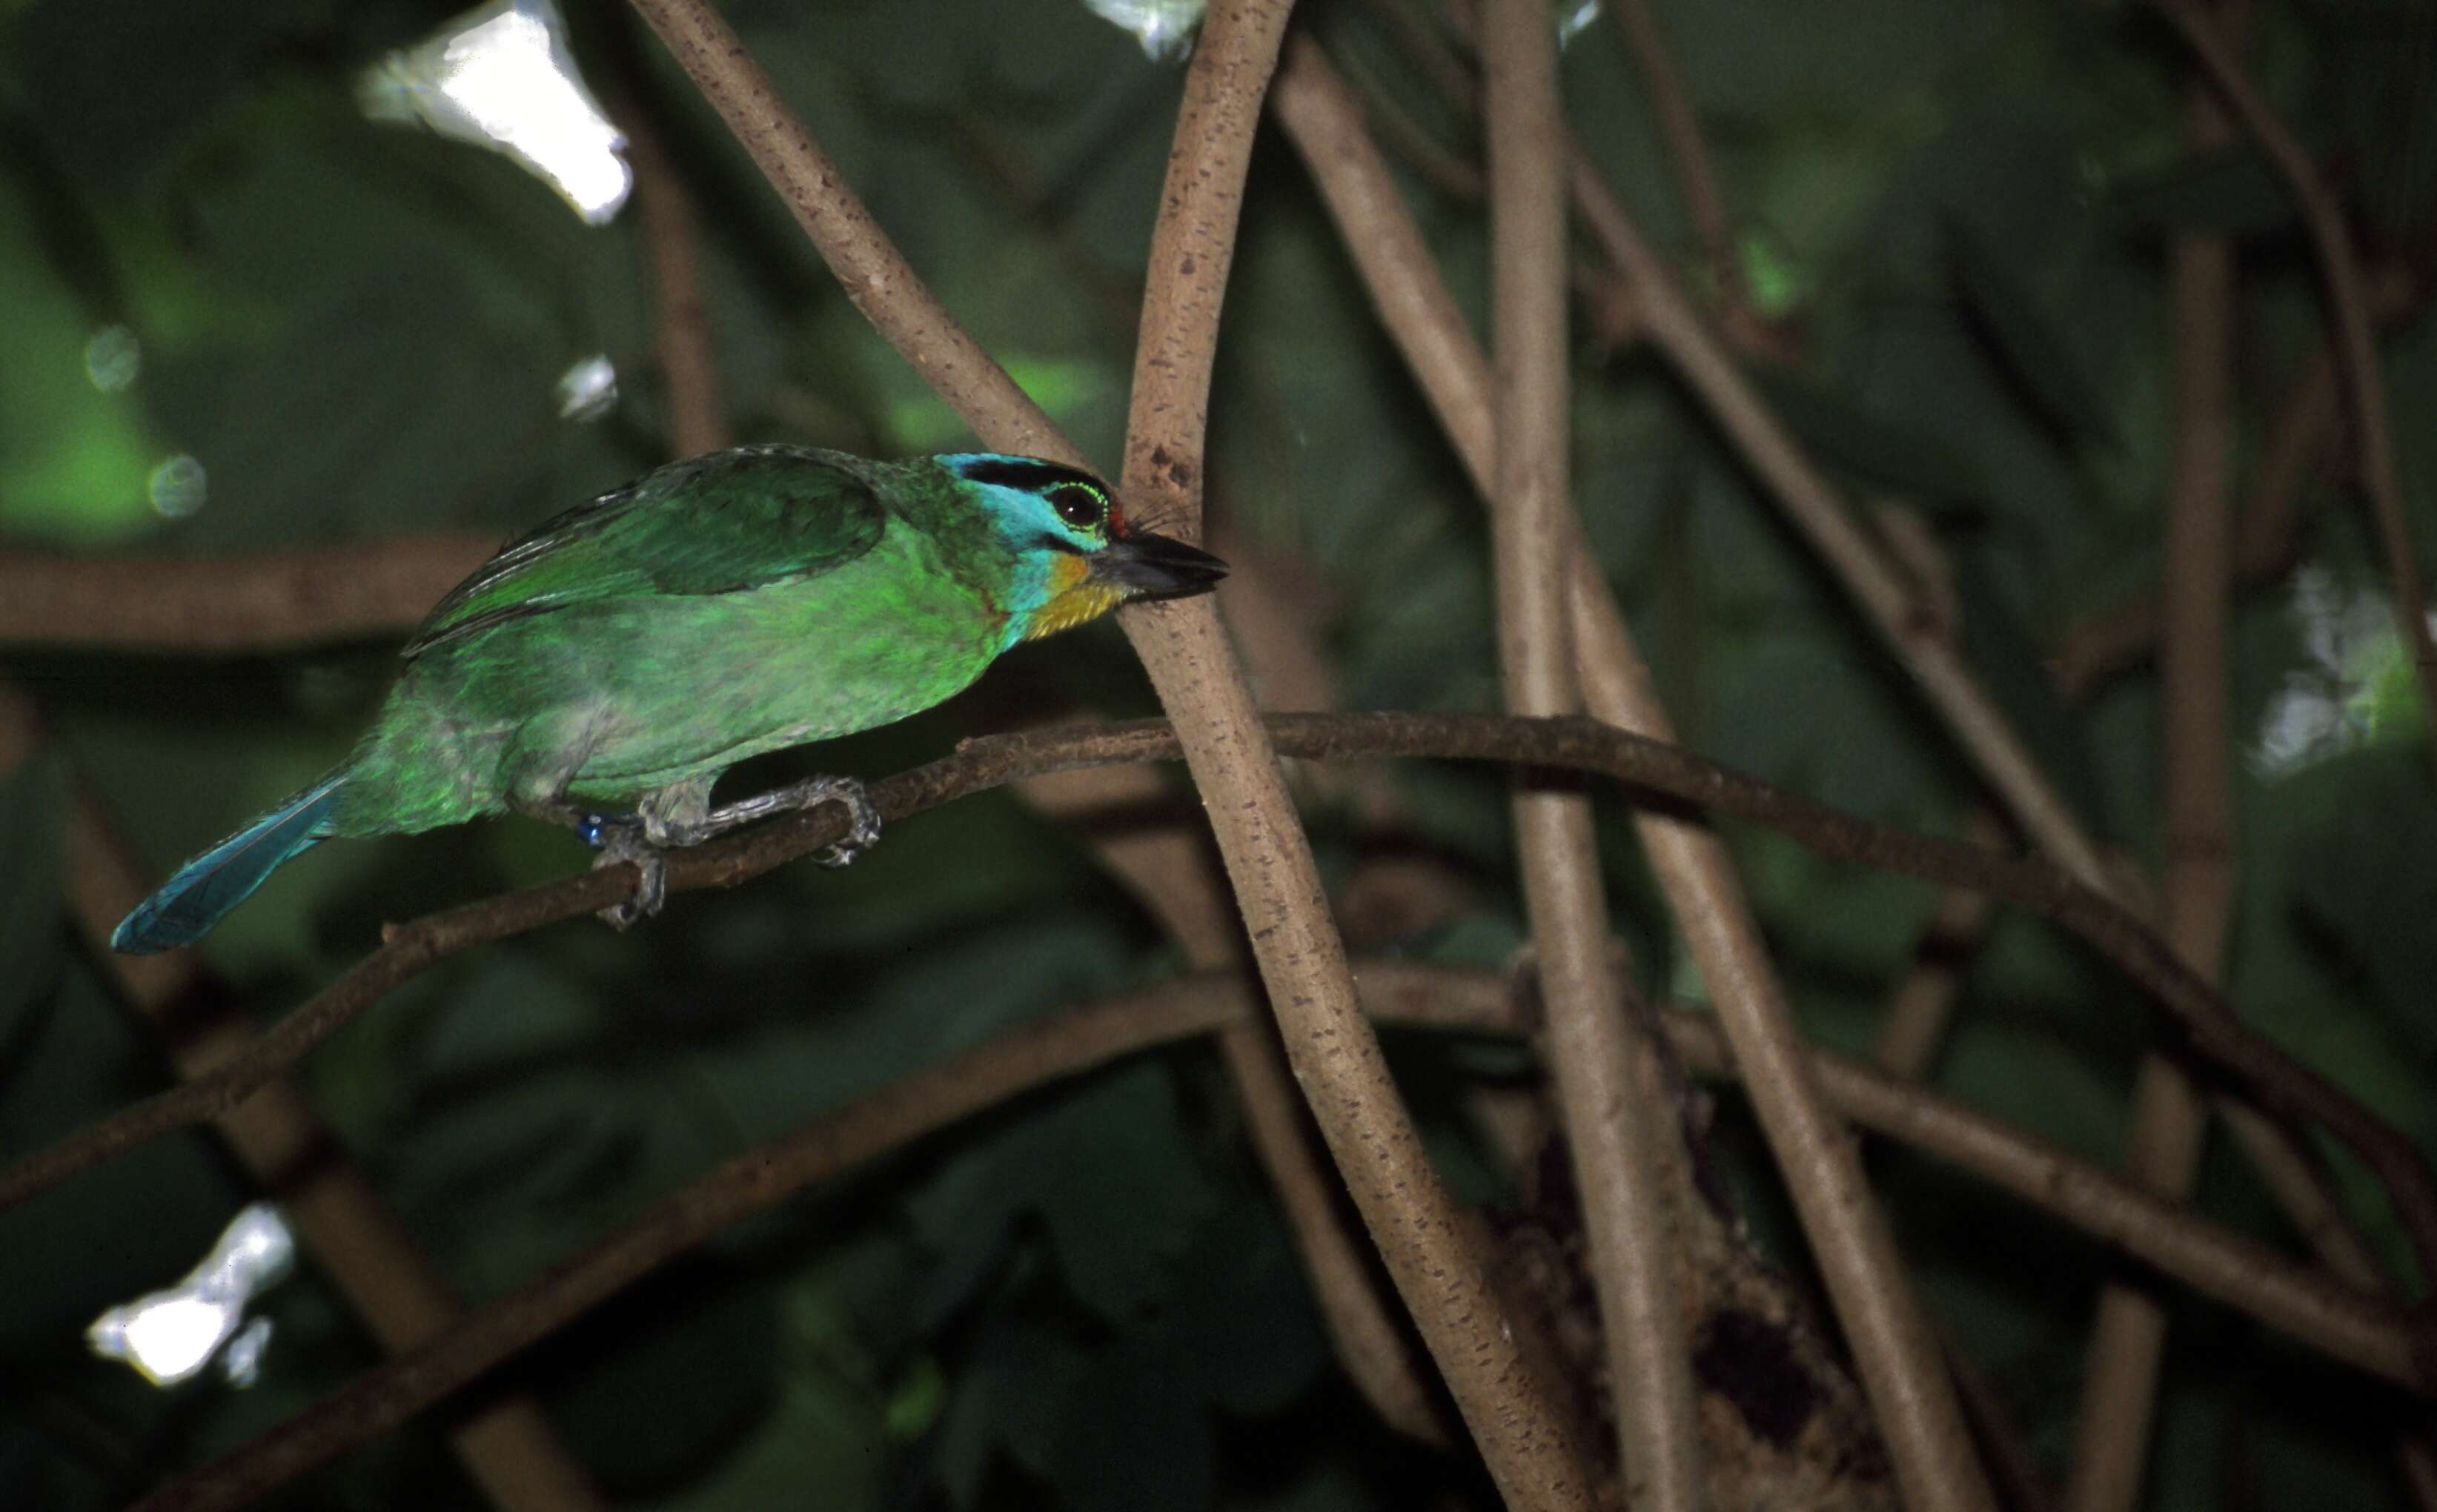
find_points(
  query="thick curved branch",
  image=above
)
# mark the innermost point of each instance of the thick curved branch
(1574, 744)
(1526, 1443)
(1269, 860)
(1615, 1135)
(2342, 1324)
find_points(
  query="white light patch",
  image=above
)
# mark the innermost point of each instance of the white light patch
(112, 359)
(1164, 27)
(1571, 23)
(589, 390)
(178, 487)
(2331, 704)
(169, 1336)
(501, 77)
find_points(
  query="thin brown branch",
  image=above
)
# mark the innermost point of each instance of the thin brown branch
(1172, 873)
(2344, 1325)
(2119, 1394)
(1901, 1365)
(1687, 153)
(1918, 1009)
(507, 1446)
(1268, 858)
(2349, 302)
(2368, 1331)
(1779, 461)
(695, 418)
(1615, 1135)
(1452, 174)
(222, 603)
(869, 268)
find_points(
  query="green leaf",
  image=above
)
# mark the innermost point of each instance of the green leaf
(2026, 337)
(1108, 1170)
(669, 1377)
(1130, 1439)
(1010, 1395)
(1878, 453)
(2229, 189)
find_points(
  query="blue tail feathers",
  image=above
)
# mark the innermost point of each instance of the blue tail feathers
(185, 906)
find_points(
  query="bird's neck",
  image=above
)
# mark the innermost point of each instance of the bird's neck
(1056, 592)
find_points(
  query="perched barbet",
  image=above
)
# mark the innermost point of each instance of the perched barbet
(603, 671)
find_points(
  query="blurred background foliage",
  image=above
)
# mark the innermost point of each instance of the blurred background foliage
(1953, 213)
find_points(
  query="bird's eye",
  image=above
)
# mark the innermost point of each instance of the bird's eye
(1078, 506)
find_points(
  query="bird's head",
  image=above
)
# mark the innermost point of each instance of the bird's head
(1077, 557)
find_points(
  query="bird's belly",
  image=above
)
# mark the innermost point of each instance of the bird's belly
(780, 667)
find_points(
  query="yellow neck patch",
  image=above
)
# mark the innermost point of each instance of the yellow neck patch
(1077, 598)
(1075, 606)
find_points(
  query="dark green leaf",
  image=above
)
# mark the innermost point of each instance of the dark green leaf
(2028, 338)
(2231, 190)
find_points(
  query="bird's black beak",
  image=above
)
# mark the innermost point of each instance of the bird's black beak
(1147, 564)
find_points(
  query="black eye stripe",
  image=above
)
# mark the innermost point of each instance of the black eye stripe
(1028, 474)
(1058, 543)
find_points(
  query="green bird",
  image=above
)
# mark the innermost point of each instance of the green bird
(603, 670)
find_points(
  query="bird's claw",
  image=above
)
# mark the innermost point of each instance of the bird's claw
(622, 841)
(863, 821)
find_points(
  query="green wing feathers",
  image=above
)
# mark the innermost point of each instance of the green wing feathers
(739, 520)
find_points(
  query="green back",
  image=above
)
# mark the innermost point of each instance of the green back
(731, 521)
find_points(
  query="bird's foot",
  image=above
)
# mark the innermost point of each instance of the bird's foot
(621, 841)
(863, 817)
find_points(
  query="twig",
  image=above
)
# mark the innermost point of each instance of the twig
(1695, 179)
(869, 268)
(182, 605)
(2228, 1267)
(1268, 858)
(1918, 1010)
(1779, 463)
(1616, 1137)
(1900, 1362)
(2119, 1391)
(2349, 306)
(1452, 173)
(695, 418)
